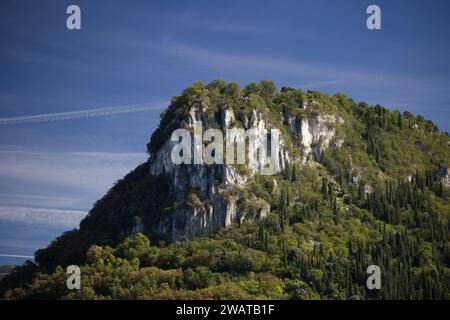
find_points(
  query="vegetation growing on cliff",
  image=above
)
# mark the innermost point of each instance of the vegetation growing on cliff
(377, 199)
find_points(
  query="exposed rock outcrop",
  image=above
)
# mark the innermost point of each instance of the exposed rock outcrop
(315, 132)
(213, 185)
(445, 176)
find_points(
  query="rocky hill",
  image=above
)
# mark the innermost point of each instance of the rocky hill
(353, 185)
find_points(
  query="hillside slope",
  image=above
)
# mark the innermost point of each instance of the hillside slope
(355, 185)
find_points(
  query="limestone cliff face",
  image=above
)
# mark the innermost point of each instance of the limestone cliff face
(216, 205)
(316, 133)
(445, 176)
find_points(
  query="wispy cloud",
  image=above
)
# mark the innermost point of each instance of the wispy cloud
(15, 256)
(82, 175)
(42, 217)
(45, 193)
(235, 61)
(309, 72)
(43, 201)
(88, 113)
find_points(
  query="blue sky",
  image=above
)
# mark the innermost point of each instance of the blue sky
(144, 52)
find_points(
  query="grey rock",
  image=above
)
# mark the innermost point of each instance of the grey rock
(218, 207)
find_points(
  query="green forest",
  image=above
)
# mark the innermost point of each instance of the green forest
(380, 198)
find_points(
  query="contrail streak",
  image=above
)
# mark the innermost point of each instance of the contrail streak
(15, 256)
(88, 113)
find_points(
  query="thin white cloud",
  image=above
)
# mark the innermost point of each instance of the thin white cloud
(80, 175)
(43, 201)
(42, 217)
(45, 191)
(88, 113)
(236, 61)
(15, 256)
(356, 77)
(39, 238)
